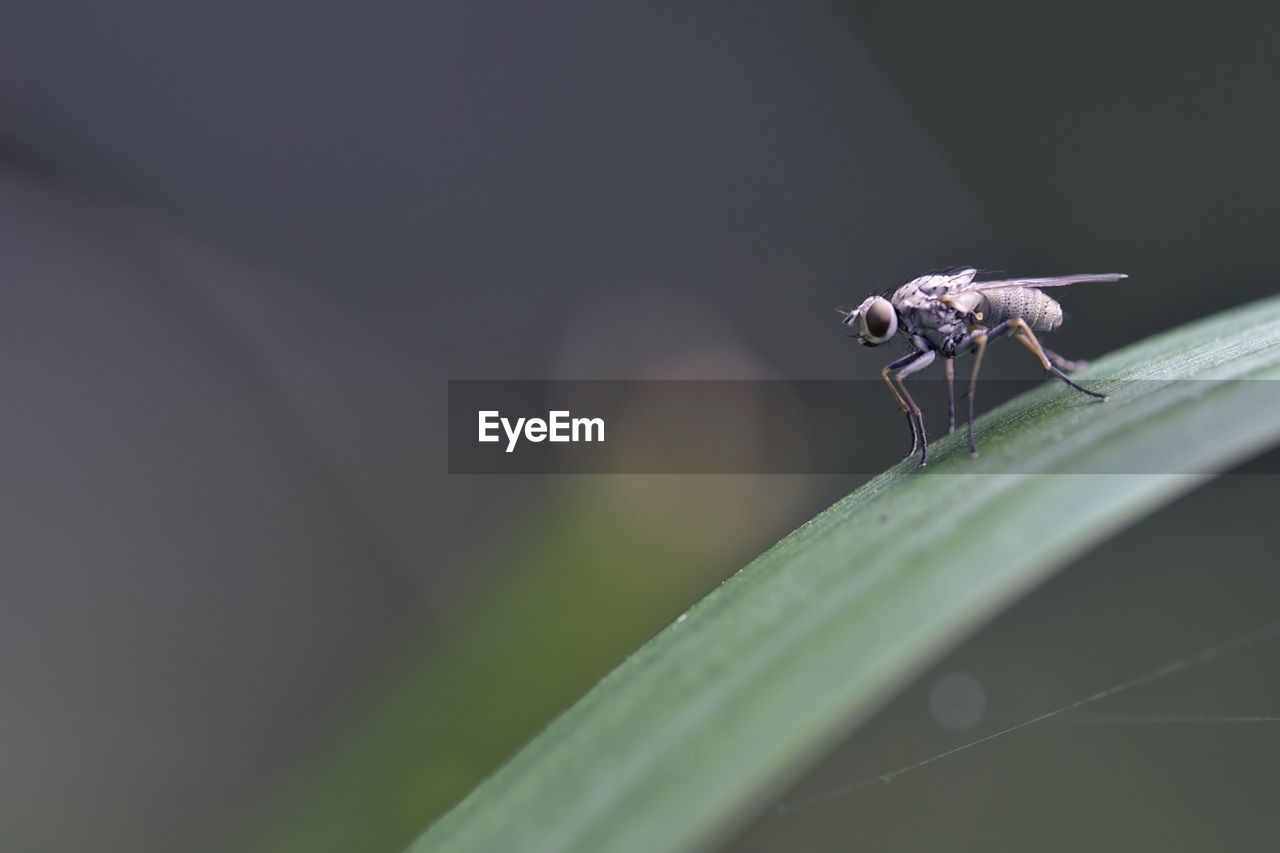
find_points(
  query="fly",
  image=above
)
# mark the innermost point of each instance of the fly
(950, 314)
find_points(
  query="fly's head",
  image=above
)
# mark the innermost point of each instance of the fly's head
(872, 323)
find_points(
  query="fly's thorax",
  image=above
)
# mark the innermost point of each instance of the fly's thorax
(934, 311)
(912, 306)
(930, 330)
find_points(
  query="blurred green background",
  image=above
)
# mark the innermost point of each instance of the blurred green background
(245, 244)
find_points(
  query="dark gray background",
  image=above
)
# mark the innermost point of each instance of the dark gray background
(245, 244)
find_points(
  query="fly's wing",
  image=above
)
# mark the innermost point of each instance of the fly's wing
(1051, 281)
(959, 279)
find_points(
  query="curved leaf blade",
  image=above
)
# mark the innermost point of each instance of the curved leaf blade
(726, 705)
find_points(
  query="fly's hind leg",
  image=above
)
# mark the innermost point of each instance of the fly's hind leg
(1066, 365)
(977, 342)
(1029, 340)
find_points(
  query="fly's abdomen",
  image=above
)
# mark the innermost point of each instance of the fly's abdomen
(1041, 312)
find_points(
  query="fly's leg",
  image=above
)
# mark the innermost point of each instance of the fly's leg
(915, 434)
(980, 338)
(1097, 395)
(1066, 365)
(887, 375)
(920, 361)
(1028, 338)
(977, 342)
(950, 367)
(916, 418)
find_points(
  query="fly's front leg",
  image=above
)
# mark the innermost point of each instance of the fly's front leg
(887, 375)
(950, 368)
(915, 434)
(919, 362)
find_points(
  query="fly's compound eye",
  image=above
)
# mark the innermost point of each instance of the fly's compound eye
(879, 321)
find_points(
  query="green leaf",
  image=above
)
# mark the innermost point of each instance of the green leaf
(724, 707)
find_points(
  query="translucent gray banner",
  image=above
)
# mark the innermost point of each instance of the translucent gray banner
(783, 426)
